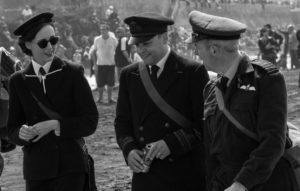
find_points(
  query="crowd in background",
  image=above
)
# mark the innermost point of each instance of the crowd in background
(220, 3)
(277, 45)
(85, 45)
(77, 37)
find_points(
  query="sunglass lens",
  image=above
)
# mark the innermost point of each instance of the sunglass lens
(43, 43)
(53, 40)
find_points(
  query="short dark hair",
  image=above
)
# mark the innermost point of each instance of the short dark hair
(268, 26)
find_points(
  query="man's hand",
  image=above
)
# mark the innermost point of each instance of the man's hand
(236, 186)
(159, 149)
(27, 132)
(135, 160)
(44, 127)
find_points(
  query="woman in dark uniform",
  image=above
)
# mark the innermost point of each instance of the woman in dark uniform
(53, 158)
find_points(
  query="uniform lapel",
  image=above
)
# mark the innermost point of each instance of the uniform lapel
(54, 77)
(34, 85)
(169, 75)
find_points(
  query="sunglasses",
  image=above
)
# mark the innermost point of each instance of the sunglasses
(44, 42)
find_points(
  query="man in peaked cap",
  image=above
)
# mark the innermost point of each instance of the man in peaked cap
(254, 93)
(175, 150)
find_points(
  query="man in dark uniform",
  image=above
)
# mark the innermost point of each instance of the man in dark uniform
(267, 47)
(255, 94)
(176, 151)
(275, 35)
(53, 157)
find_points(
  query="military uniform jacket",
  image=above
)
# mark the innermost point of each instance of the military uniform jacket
(69, 94)
(257, 98)
(139, 122)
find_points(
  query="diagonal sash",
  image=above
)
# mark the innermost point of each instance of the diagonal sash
(159, 101)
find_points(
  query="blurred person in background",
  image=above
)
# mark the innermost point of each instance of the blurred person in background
(174, 38)
(109, 11)
(27, 12)
(113, 19)
(105, 47)
(86, 62)
(5, 37)
(293, 47)
(8, 65)
(54, 159)
(267, 46)
(2, 126)
(69, 42)
(134, 55)
(60, 51)
(283, 57)
(276, 36)
(122, 57)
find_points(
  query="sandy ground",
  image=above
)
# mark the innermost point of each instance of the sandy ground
(111, 172)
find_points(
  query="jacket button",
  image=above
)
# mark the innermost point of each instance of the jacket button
(167, 125)
(142, 139)
(141, 128)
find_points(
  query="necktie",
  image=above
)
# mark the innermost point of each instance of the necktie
(43, 77)
(153, 75)
(222, 83)
(42, 71)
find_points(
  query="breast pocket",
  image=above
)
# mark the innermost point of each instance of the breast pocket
(244, 100)
(244, 107)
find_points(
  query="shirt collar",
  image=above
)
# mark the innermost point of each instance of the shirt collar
(242, 67)
(230, 73)
(37, 67)
(162, 62)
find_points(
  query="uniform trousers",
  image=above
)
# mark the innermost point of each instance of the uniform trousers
(72, 181)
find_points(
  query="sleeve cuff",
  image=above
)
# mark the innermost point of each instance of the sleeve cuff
(246, 180)
(57, 129)
(57, 132)
(174, 146)
(127, 148)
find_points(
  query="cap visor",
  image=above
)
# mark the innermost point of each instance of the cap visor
(136, 40)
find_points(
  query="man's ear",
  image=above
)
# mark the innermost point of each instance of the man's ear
(213, 49)
(28, 45)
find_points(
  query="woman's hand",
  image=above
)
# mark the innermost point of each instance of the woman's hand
(44, 127)
(27, 132)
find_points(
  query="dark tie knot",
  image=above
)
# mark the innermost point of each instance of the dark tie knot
(153, 76)
(222, 83)
(154, 69)
(42, 71)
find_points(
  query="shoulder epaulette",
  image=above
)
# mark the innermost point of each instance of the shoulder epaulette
(265, 65)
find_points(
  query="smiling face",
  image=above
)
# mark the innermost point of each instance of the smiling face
(153, 50)
(42, 55)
